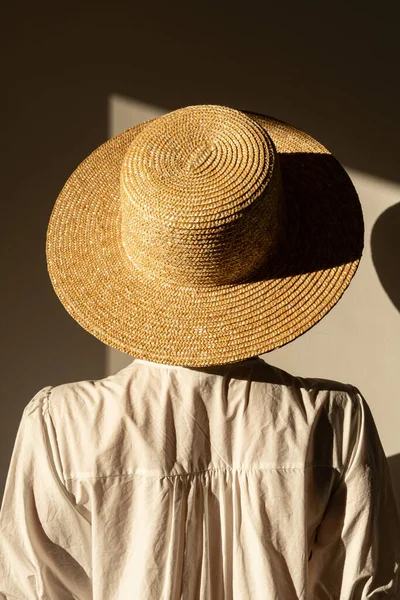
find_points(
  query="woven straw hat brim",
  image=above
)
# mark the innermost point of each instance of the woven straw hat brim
(206, 325)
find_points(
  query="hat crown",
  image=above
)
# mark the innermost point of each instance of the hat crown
(201, 197)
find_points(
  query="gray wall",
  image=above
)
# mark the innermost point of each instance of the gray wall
(328, 68)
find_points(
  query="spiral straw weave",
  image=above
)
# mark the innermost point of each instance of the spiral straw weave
(204, 237)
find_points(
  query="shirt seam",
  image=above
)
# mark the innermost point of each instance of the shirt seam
(169, 475)
(61, 481)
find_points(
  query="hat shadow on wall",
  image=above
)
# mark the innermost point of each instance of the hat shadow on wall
(385, 250)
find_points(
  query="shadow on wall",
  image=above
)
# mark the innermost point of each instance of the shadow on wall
(394, 466)
(385, 249)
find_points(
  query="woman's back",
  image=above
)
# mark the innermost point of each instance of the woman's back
(237, 481)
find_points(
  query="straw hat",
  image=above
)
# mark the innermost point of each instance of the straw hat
(203, 237)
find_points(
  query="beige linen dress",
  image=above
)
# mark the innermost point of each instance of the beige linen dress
(172, 483)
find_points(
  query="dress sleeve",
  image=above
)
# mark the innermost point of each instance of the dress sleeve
(356, 551)
(45, 543)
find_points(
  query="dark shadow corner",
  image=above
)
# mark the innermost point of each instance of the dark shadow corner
(394, 466)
